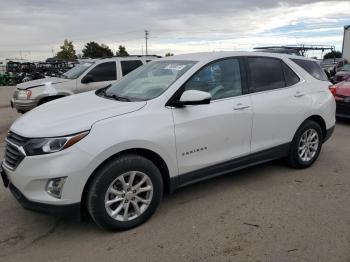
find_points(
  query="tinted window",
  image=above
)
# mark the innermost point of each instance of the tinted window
(312, 67)
(289, 75)
(104, 72)
(221, 79)
(265, 74)
(130, 65)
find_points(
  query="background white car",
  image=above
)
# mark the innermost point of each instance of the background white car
(114, 152)
(86, 76)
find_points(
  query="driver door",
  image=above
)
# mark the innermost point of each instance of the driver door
(218, 132)
(99, 76)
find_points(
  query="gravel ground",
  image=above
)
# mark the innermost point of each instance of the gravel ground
(265, 213)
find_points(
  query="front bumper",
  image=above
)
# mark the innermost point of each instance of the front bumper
(28, 181)
(23, 105)
(70, 211)
(31, 176)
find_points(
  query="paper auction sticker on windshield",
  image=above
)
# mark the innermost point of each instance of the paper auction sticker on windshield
(175, 67)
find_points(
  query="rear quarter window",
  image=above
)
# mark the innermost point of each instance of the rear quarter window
(312, 67)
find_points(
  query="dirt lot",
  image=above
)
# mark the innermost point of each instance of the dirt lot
(265, 213)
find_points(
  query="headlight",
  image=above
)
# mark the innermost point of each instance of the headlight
(24, 94)
(41, 146)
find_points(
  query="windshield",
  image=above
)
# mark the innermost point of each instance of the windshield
(346, 67)
(76, 71)
(149, 81)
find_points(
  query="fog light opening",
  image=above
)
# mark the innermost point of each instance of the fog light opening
(54, 186)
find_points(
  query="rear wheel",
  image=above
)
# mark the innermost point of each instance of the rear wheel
(306, 145)
(125, 193)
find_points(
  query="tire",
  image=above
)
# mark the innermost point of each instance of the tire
(296, 158)
(107, 186)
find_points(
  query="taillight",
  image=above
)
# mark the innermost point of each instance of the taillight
(333, 90)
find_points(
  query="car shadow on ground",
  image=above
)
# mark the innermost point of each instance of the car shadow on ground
(195, 192)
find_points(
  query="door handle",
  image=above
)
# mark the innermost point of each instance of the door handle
(240, 107)
(299, 94)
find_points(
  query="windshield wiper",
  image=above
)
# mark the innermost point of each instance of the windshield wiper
(119, 98)
(103, 92)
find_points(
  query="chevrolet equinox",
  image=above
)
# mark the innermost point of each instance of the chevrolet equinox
(174, 121)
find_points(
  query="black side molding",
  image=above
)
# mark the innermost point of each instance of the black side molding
(229, 166)
(329, 133)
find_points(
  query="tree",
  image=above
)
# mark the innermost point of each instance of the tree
(122, 51)
(333, 54)
(94, 50)
(67, 51)
(169, 54)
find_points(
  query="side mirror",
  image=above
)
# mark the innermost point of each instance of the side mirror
(87, 79)
(194, 97)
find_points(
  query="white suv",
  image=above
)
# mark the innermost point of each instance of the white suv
(86, 76)
(177, 120)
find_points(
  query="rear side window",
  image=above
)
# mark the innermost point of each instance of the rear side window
(130, 65)
(289, 75)
(104, 72)
(265, 74)
(312, 67)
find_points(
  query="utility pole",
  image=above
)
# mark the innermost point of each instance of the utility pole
(146, 37)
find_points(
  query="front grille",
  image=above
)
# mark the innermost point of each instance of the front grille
(16, 139)
(13, 156)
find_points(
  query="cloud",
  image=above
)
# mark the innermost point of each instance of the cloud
(37, 26)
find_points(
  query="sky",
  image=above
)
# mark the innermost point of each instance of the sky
(34, 29)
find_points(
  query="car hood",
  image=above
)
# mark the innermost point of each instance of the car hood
(70, 115)
(41, 82)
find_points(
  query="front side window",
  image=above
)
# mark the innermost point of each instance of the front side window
(221, 79)
(265, 74)
(76, 71)
(130, 65)
(312, 67)
(149, 81)
(104, 72)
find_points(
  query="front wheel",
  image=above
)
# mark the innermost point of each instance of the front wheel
(306, 145)
(125, 193)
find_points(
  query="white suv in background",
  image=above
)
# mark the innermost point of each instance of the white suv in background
(86, 76)
(175, 121)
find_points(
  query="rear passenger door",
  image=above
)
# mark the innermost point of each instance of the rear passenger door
(278, 101)
(101, 75)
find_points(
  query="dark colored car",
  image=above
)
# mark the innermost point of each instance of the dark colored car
(343, 74)
(341, 92)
